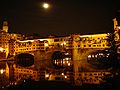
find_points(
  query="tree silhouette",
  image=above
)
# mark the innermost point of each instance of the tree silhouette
(114, 78)
(113, 46)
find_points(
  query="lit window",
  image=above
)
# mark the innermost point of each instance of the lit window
(89, 56)
(46, 44)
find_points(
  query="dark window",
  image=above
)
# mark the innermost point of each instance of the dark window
(89, 45)
(56, 40)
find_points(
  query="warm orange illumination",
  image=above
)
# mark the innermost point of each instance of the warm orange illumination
(64, 43)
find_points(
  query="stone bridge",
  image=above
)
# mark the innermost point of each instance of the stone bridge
(78, 55)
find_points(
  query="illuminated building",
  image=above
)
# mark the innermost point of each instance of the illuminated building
(64, 42)
(94, 41)
(30, 46)
(4, 37)
(72, 43)
(82, 46)
(67, 42)
(20, 46)
(15, 36)
(12, 39)
(116, 29)
(78, 46)
(5, 27)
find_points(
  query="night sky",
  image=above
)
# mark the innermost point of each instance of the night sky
(63, 18)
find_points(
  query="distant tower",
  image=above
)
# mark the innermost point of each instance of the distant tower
(116, 29)
(5, 26)
(115, 24)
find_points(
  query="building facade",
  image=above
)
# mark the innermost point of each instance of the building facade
(78, 46)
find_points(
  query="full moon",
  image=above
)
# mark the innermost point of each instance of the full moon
(46, 5)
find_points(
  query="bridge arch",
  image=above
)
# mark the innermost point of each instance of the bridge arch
(24, 59)
(61, 59)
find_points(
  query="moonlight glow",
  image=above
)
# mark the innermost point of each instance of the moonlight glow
(45, 5)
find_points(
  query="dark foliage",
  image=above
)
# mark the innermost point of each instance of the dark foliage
(114, 78)
(113, 50)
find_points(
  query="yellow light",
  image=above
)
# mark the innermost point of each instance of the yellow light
(68, 64)
(118, 27)
(45, 5)
(65, 76)
(64, 43)
(46, 44)
(67, 61)
(61, 43)
(55, 62)
(89, 56)
(66, 53)
(1, 49)
(1, 71)
(62, 73)
(47, 75)
(67, 58)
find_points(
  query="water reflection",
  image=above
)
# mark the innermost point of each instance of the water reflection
(4, 75)
(12, 74)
